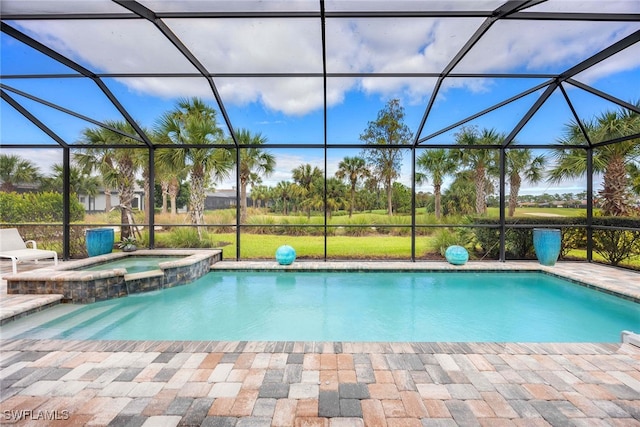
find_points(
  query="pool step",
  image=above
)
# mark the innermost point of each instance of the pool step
(15, 306)
(90, 324)
(28, 325)
(56, 329)
(103, 331)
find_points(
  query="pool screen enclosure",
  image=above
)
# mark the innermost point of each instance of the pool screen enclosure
(310, 75)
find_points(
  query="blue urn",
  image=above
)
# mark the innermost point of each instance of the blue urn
(99, 241)
(547, 243)
(456, 255)
(285, 255)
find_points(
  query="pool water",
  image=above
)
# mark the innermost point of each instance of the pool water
(358, 306)
(133, 264)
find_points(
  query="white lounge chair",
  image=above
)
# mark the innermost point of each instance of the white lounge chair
(12, 246)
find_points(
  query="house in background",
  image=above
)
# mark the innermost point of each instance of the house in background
(222, 199)
(98, 203)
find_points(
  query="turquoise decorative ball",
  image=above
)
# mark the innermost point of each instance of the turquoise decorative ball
(456, 255)
(285, 255)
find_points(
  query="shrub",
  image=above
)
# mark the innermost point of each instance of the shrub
(296, 226)
(573, 238)
(187, 237)
(616, 245)
(45, 208)
(446, 237)
(260, 225)
(519, 241)
(221, 220)
(37, 207)
(357, 227)
(488, 239)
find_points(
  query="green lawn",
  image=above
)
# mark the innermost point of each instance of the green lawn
(541, 212)
(633, 262)
(261, 246)
(378, 243)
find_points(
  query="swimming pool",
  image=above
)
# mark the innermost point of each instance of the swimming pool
(358, 306)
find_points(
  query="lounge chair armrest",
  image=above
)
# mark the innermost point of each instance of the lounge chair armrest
(33, 243)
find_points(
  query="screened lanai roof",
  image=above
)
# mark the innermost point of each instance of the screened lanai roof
(313, 73)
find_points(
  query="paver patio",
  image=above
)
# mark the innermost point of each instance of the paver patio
(169, 383)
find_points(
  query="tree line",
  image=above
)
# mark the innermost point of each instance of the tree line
(189, 135)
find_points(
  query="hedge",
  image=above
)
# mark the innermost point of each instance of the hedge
(614, 245)
(42, 209)
(36, 207)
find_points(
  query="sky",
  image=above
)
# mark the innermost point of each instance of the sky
(290, 110)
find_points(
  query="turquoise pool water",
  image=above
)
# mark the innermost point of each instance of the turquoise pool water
(133, 264)
(358, 306)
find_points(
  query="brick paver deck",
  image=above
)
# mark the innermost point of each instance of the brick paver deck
(243, 384)
(142, 383)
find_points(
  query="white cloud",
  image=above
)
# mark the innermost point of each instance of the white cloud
(126, 47)
(626, 60)
(587, 6)
(267, 122)
(353, 45)
(294, 96)
(44, 159)
(540, 46)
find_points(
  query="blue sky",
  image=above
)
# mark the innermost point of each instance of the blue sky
(291, 110)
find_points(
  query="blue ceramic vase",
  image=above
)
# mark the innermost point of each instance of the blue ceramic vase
(547, 243)
(99, 241)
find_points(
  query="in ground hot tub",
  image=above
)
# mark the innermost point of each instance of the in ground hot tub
(105, 277)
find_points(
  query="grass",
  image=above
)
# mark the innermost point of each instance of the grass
(263, 246)
(260, 216)
(369, 235)
(532, 212)
(633, 262)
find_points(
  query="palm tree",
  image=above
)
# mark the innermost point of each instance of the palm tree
(99, 160)
(193, 123)
(143, 162)
(335, 195)
(169, 180)
(437, 163)
(611, 160)
(634, 173)
(314, 196)
(482, 161)
(304, 176)
(521, 164)
(286, 190)
(387, 129)
(254, 163)
(370, 194)
(459, 198)
(116, 166)
(259, 195)
(79, 183)
(16, 170)
(352, 169)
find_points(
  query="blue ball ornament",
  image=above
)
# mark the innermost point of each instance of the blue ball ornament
(285, 255)
(456, 255)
